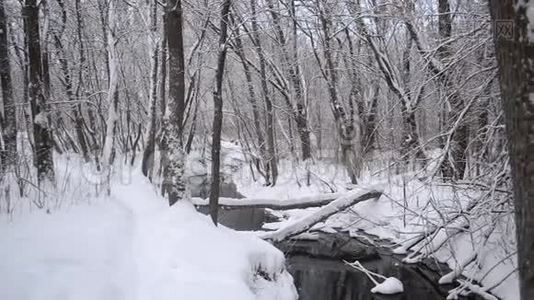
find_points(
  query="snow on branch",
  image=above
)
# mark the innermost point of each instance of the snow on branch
(467, 287)
(322, 214)
(389, 285)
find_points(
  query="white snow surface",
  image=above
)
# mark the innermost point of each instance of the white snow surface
(131, 245)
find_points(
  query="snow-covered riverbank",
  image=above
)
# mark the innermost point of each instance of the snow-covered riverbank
(131, 245)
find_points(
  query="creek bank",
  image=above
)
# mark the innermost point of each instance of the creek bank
(317, 265)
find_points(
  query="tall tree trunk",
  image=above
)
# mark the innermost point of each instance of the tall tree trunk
(172, 144)
(81, 88)
(301, 112)
(45, 57)
(41, 132)
(273, 165)
(367, 110)
(218, 114)
(515, 55)
(148, 155)
(444, 28)
(112, 97)
(163, 72)
(161, 141)
(454, 164)
(67, 81)
(8, 119)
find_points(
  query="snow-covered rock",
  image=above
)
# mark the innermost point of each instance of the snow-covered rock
(389, 286)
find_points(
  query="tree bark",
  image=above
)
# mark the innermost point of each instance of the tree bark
(147, 164)
(454, 164)
(172, 144)
(112, 97)
(8, 119)
(218, 113)
(41, 132)
(515, 55)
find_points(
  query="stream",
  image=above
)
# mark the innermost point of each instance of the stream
(317, 264)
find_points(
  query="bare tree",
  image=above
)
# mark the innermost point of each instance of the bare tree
(291, 67)
(112, 93)
(262, 160)
(218, 113)
(67, 81)
(344, 121)
(41, 130)
(272, 160)
(411, 141)
(172, 145)
(150, 148)
(8, 125)
(453, 164)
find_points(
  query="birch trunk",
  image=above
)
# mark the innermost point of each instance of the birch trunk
(112, 96)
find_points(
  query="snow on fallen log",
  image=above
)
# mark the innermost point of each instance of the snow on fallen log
(277, 204)
(340, 204)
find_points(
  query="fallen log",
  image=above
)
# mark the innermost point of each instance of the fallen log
(340, 204)
(276, 204)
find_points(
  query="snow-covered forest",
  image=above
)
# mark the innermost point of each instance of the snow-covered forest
(266, 149)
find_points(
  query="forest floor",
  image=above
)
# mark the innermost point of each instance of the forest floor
(129, 246)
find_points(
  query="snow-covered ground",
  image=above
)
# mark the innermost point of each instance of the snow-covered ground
(131, 245)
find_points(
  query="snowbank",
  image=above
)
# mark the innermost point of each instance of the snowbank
(131, 245)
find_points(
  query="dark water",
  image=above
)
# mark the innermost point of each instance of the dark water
(238, 219)
(319, 272)
(318, 269)
(319, 278)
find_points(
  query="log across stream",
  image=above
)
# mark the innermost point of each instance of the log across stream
(318, 269)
